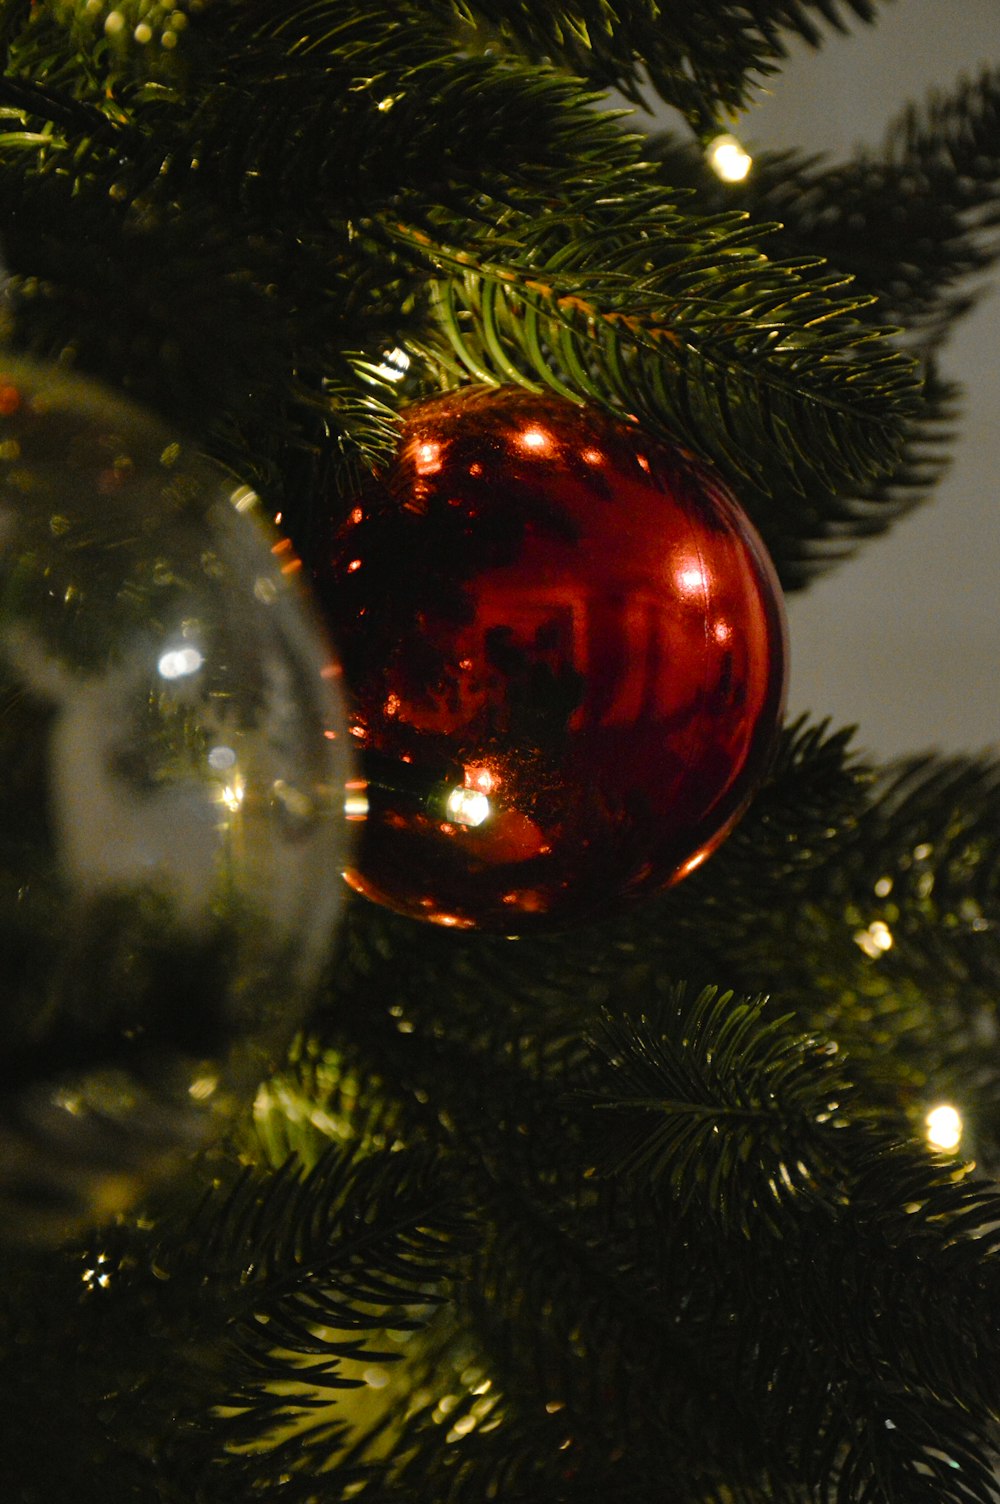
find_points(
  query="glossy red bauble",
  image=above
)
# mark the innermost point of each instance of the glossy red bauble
(564, 651)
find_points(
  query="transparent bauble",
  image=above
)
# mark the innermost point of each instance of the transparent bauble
(172, 769)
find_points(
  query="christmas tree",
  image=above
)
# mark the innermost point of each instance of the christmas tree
(691, 1199)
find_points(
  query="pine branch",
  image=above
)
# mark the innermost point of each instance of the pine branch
(683, 323)
(927, 201)
(809, 535)
(258, 1310)
(927, 204)
(706, 1095)
(702, 57)
(614, 295)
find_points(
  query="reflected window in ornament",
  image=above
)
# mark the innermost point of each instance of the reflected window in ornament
(468, 806)
(178, 663)
(944, 1127)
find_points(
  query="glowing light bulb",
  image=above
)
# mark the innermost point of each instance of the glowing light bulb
(728, 159)
(944, 1127)
(875, 940)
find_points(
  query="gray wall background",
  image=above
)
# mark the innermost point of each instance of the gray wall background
(904, 639)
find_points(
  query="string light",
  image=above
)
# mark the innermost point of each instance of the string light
(944, 1127)
(728, 159)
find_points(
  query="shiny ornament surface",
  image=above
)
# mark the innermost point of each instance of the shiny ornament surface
(565, 652)
(173, 757)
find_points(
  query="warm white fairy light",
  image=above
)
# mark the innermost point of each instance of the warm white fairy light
(728, 159)
(944, 1127)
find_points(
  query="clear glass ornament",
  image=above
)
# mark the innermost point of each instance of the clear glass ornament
(172, 767)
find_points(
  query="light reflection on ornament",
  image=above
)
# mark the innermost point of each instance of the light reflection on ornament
(98, 1276)
(690, 578)
(233, 794)
(221, 759)
(480, 778)
(428, 460)
(468, 806)
(534, 439)
(356, 799)
(722, 631)
(944, 1127)
(693, 862)
(244, 499)
(449, 922)
(394, 363)
(178, 663)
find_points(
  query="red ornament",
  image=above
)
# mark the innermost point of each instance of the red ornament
(565, 655)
